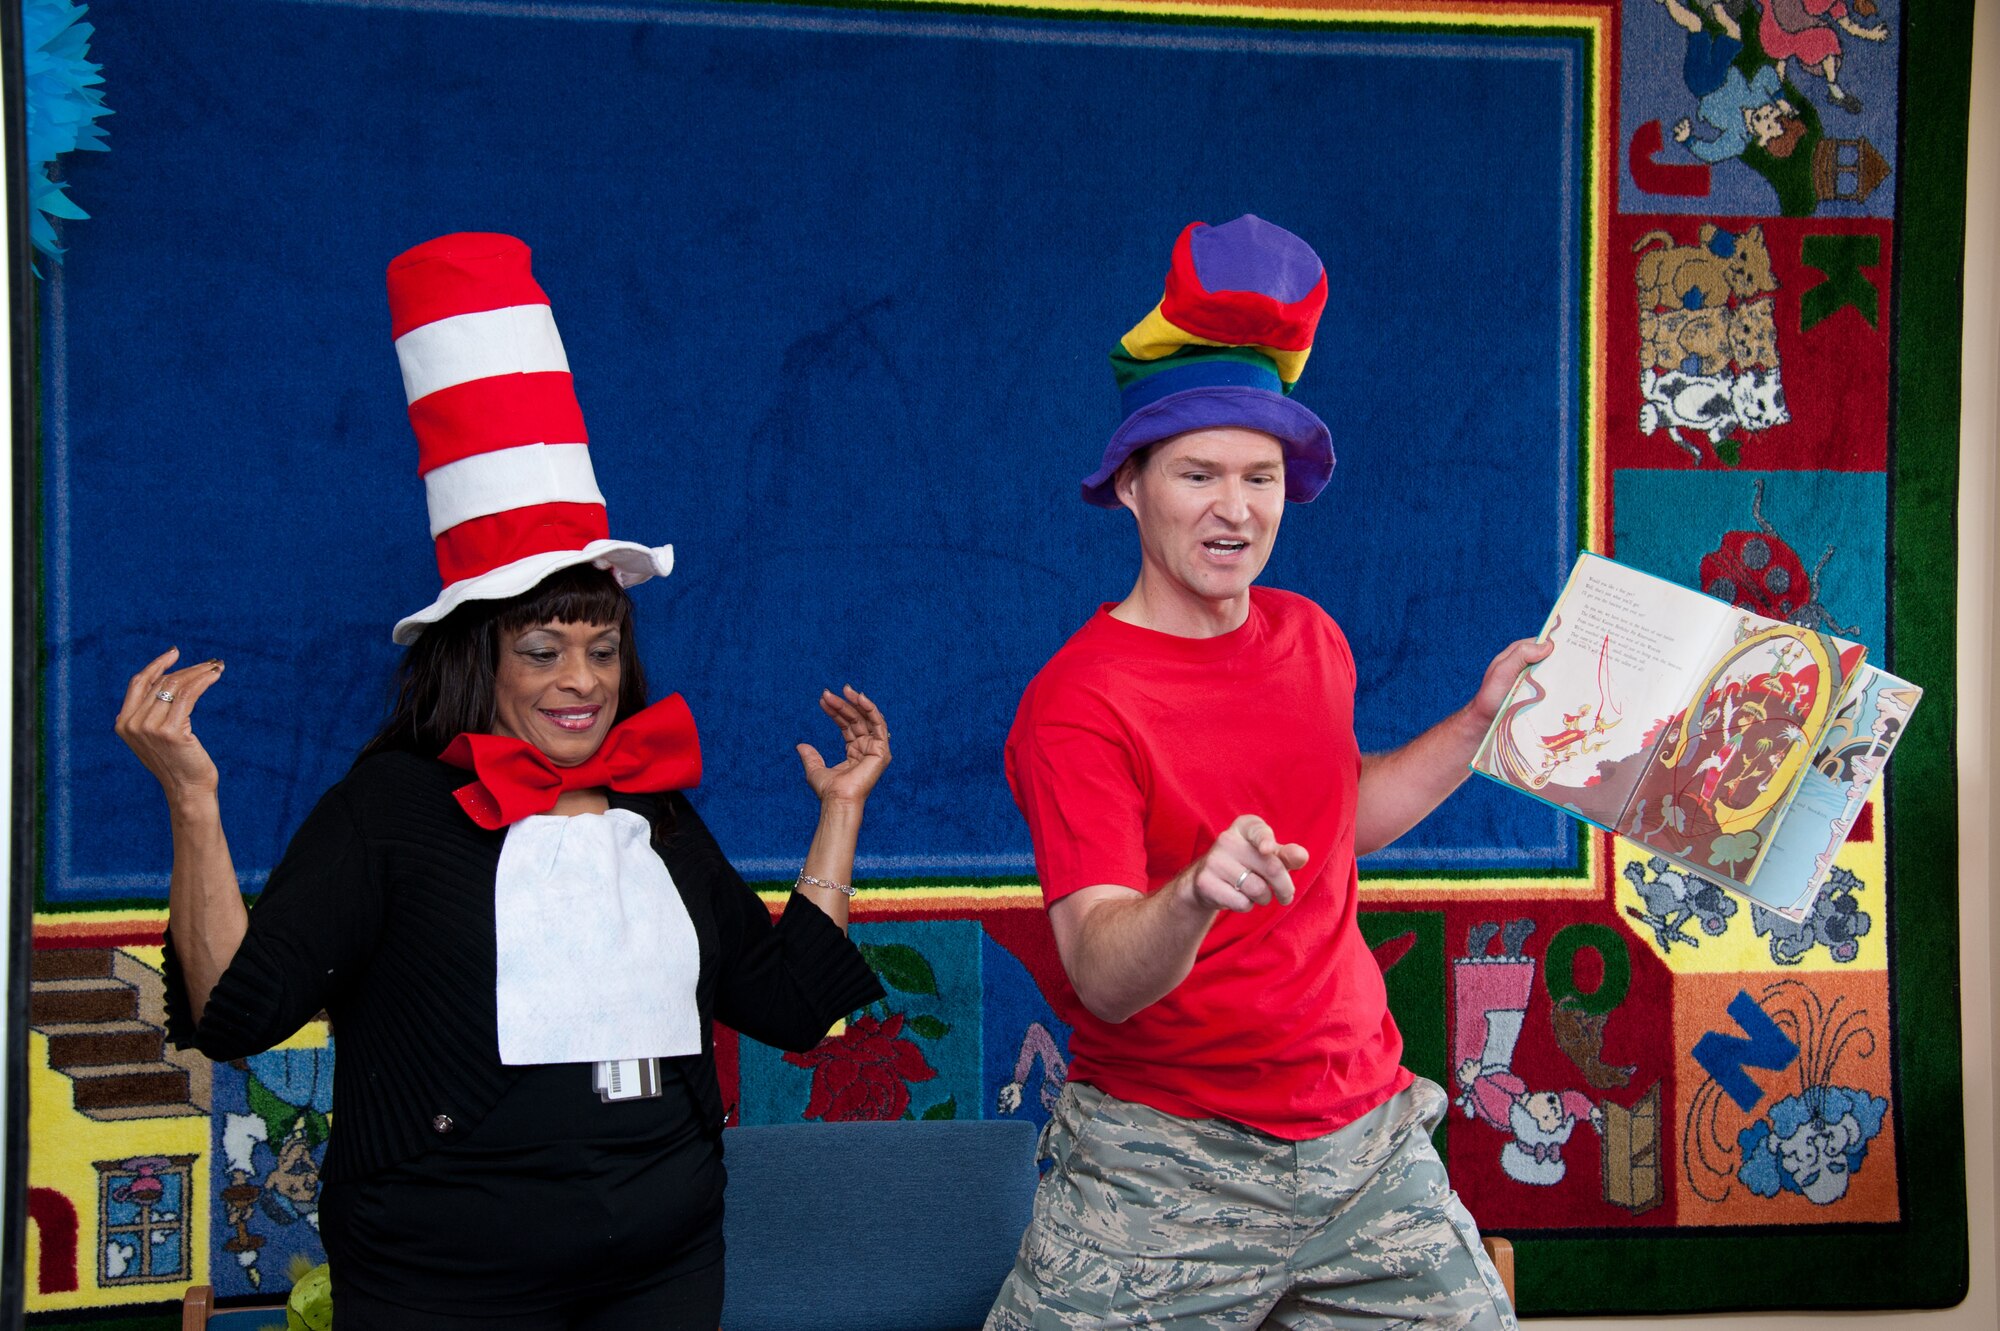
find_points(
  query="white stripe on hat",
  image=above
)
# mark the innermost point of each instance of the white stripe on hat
(509, 478)
(516, 339)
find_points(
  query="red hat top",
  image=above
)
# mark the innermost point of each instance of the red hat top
(500, 439)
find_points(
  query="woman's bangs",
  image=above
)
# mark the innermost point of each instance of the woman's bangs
(584, 594)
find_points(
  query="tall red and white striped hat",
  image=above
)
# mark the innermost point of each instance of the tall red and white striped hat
(500, 438)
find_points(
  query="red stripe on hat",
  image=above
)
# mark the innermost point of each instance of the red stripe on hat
(503, 411)
(484, 544)
(462, 273)
(1237, 318)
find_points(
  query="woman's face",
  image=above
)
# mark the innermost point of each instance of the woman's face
(557, 688)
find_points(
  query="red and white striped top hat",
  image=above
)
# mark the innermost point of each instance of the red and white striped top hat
(500, 439)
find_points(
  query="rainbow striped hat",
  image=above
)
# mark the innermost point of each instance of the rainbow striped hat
(500, 438)
(1224, 347)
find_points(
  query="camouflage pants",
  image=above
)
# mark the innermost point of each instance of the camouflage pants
(1148, 1220)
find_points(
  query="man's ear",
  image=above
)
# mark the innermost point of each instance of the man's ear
(1125, 481)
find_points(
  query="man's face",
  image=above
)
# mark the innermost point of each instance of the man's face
(1208, 504)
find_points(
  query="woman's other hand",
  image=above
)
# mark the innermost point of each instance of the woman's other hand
(157, 724)
(205, 912)
(866, 736)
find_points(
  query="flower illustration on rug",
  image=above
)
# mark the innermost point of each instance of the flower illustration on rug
(866, 1071)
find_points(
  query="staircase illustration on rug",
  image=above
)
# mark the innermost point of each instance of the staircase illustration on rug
(103, 1012)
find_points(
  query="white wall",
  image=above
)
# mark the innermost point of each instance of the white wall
(6, 695)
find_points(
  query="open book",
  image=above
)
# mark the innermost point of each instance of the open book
(1738, 747)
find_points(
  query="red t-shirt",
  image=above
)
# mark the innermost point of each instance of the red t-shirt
(1131, 752)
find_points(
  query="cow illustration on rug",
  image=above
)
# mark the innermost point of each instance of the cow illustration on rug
(1712, 404)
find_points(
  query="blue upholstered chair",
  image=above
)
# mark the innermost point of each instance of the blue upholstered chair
(884, 1226)
(857, 1227)
(873, 1226)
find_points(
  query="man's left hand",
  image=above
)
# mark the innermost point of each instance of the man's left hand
(1502, 673)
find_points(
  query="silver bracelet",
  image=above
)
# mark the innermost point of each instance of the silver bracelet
(807, 880)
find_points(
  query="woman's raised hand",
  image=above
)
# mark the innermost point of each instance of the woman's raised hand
(157, 723)
(867, 738)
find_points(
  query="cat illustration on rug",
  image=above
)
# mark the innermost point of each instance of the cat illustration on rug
(1704, 275)
(1708, 340)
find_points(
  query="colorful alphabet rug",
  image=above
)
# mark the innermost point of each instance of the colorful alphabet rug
(1670, 281)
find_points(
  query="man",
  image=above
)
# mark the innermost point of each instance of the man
(1237, 1144)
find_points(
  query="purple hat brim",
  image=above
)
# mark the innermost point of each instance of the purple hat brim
(1308, 444)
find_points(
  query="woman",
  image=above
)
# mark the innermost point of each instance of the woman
(517, 923)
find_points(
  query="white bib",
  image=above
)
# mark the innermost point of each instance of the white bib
(597, 956)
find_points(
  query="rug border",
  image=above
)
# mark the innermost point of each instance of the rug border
(1927, 268)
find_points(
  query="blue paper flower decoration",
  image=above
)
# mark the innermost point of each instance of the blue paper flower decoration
(64, 103)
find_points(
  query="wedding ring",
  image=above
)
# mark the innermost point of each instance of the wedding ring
(165, 695)
(1239, 879)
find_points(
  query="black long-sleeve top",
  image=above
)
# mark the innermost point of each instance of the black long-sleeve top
(381, 912)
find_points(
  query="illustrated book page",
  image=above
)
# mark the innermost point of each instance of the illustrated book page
(1722, 774)
(1847, 763)
(1579, 726)
(1674, 719)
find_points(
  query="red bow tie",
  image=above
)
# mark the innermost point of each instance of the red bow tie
(656, 749)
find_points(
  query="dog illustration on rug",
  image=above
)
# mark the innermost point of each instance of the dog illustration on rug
(1706, 341)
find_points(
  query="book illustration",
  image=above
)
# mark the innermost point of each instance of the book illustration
(1699, 730)
(1508, 756)
(1564, 757)
(1726, 765)
(1586, 730)
(1629, 651)
(1697, 782)
(1832, 792)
